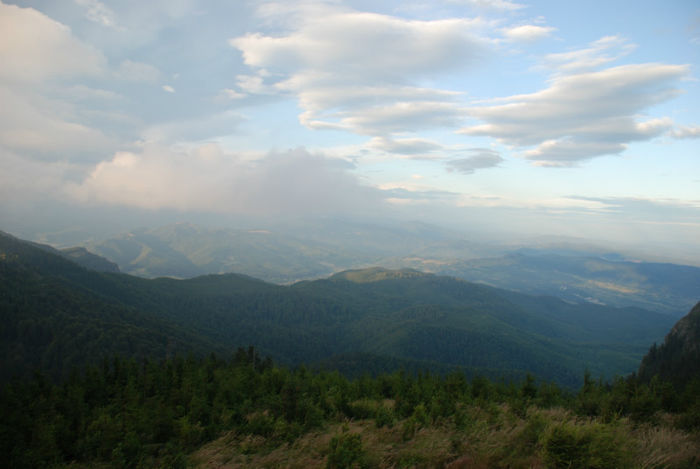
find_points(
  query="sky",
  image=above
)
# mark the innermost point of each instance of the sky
(520, 117)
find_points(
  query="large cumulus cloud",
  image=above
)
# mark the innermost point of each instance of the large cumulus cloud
(207, 179)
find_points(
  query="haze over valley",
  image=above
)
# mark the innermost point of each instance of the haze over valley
(568, 268)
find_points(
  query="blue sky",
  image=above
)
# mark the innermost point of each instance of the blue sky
(543, 117)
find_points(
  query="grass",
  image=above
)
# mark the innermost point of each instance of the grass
(662, 446)
(481, 437)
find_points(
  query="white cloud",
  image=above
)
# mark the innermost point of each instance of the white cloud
(358, 71)
(33, 47)
(405, 146)
(398, 117)
(205, 178)
(340, 43)
(504, 5)
(528, 32)
(686, 131)
(601, 52)
(582, 115)
(232, 94)
(369, 109)
(99, 13)
(168, 88)
(567, 152)
(39, 116)
(481, 158)
(253, 84)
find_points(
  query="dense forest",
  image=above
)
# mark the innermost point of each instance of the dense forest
(57, 315)
(246, 411)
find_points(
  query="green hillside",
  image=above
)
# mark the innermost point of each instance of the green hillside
(445, 320)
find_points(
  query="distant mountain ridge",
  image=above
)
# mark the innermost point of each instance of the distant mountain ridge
(280, 254)
(669, 288)
(317, 250)
(79, 255)
(58, 314)
(85, 258)
(375, 274)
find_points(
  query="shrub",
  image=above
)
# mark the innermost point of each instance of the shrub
(384, 417)
(345, 451)
(421, 415)
(362, 409)
(408, 428)
(261, 424)
(594, 446)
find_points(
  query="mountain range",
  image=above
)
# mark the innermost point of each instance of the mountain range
(284, 254)
(58, 314)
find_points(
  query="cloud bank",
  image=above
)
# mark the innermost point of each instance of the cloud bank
(208, 179)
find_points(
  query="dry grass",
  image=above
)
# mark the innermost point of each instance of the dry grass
(492, 437)
(661, 447)
(235, 451)
(385, 448)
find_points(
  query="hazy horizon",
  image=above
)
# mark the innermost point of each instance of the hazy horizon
(501, 118)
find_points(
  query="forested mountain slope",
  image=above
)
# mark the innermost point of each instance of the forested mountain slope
(678, 358)
(413, 315)
(56, 313)
(52, 319)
